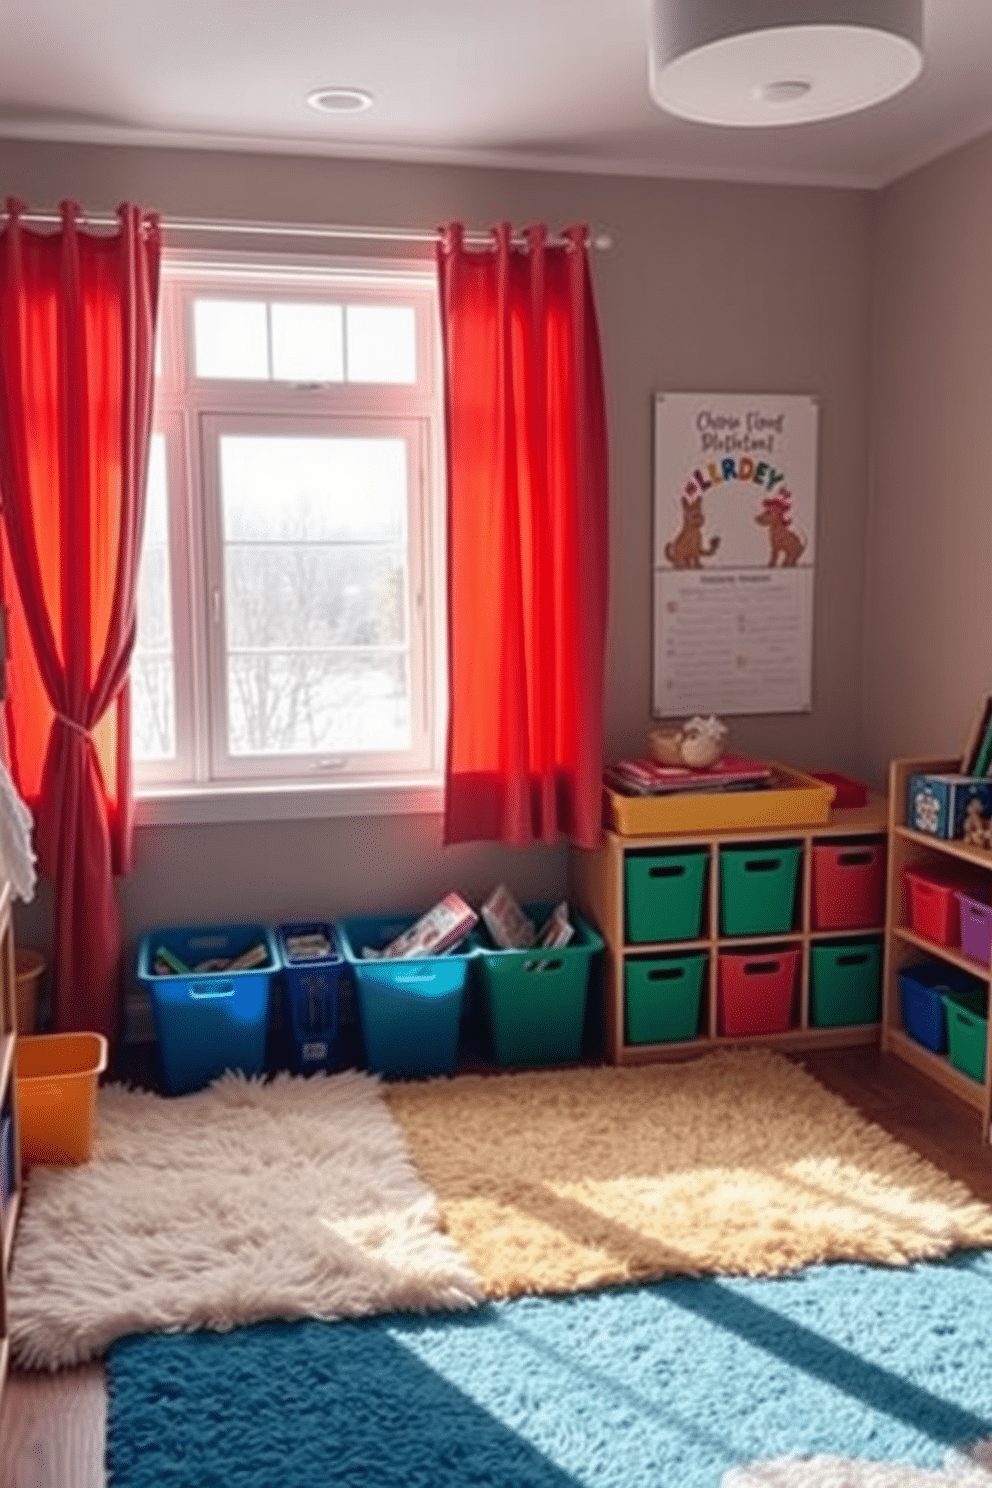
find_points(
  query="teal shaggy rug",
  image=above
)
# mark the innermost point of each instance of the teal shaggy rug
(670, 1385)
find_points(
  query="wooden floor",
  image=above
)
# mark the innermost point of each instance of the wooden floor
(52, 1427)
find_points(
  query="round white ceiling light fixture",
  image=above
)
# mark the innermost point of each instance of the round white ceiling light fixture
(339, 100)
(765, 62)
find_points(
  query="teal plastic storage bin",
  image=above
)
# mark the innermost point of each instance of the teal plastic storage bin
(758, 888)
(409, 1008)
(845, 982)
(665, 895)
(663, 997)
(536, 1000)
(208, 1021)
(967, 1028)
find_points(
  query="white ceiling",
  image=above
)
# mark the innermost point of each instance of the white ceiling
(549, 84)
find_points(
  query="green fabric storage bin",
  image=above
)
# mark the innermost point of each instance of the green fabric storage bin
(665, 895)
(536, 999)
(845, 982)
(967, 1025)
(663, 996)
(758, 888)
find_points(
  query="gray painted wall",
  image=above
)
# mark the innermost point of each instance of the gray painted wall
(929, 556)
(709, 287)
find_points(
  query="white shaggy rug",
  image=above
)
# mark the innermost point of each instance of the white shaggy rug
(245, 1201)
(973, 1471)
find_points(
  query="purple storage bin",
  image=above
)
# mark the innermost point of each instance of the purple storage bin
(976, 929)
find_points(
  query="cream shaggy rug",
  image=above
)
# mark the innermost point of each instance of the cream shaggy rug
(973, 1471)
(738, 1162)
(241, 1202)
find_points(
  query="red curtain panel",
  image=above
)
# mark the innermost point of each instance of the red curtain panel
(77, 333)
(527, 537)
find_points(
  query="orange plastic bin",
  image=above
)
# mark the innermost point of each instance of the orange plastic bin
(56, 1081)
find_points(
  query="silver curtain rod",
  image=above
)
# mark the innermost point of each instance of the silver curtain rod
(601, 240)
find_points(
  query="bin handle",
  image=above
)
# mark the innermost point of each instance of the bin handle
(666, 974)
(211, 989)
(853, 958)
(849, 859)
(667, 870)
(538, 965)
(413, 976)
(753, 968)
(762, 865)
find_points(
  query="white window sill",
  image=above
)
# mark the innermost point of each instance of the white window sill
(187, 805)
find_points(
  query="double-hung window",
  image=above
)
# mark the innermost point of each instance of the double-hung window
(290, 609)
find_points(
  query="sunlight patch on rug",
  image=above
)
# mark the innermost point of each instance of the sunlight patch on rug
(961, 1471)
(737, 1163)
(248, 1200)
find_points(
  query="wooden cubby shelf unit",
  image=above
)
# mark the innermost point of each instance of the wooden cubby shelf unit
(904, 947)
(598, 886)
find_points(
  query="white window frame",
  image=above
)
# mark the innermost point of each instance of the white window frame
(202, 782)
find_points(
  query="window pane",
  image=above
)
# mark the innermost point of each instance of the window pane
(153, 706)
(230, 338)
(382, 343)
(298, 489)
(307, 343)
(316, 593)
(292, 703)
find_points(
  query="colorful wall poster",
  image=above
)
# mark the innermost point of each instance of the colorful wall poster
(734, 553)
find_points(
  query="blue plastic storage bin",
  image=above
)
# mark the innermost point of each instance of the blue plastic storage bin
(312, 992)
(409, 1007)
(921, 989)
(208, 1021)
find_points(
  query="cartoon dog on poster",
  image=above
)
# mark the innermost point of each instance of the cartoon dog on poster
(687, 550)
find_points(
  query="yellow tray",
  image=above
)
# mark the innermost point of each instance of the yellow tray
(795, 800)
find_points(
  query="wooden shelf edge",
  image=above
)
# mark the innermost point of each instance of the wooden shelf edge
(941, 952)
(9, 1226)
(633, 948)
(791, 1040)
(8, 1046)
(979, 857)
(936, 1067)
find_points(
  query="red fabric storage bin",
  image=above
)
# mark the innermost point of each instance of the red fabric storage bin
(848, 885)
(757, 989)
(933, 907)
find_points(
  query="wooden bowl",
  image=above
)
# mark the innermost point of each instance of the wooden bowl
(665, 746)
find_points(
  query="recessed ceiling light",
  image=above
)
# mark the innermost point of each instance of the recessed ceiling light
(753, 62)
(339, 100)
(786, 90)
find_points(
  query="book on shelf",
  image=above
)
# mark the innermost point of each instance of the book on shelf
(643, 776)
(977, 758)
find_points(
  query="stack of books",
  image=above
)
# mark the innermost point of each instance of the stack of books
(646, 777)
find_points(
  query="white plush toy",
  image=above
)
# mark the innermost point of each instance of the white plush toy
(698, 743)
